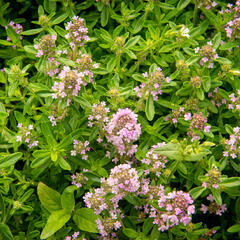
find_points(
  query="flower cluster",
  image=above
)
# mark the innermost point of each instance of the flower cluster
(79, 179)
(232, 26)
(46, 46)
(123, 179)
(213, 207)
(198, 123)
(184, 31)
(69, 85)
(196, 81)
(99, 115)
(175, 115)
(182, 68)
(184, 111)
(85, 66)
(26, 135)
(207, 234)
(192, 104)
(235, 101)
(77, 32)
(18, 29)
(212, 178)
(57, 114)
(105, 227)
(208, 55)
(149, 191)
(123, 130)
(154, 83)
(177, 208)
(216, 98)
(155, 162)
(96, 200)
(80, 148)
(208, 4)
(232, 144)
(75, 236)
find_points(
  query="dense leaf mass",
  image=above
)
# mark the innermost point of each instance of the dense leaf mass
(119, 119)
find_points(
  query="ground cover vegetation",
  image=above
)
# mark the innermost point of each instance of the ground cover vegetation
(119, 119)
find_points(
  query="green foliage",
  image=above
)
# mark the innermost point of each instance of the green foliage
(147, 56)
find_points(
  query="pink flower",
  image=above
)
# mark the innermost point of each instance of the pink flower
(187, 116)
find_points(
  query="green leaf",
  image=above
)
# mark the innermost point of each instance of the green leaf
(206, 83)
(59, 19)
(104, 15)
(211, 17)
(41, 153)
(67, 198)
(46, 130)
(196, 192)
(32, 31)
(10, 160)
(100, 71)
(49, 198)
(171, 150)
(165, 5)
(55, 222)
(65, 142)
(130, 53)
(2, 206)
(182, 4)
(40, 11)
(83, 102)
(133, 199)
(167, 104)
(26, 195)
(229, 129)
(64, 164)
(231, 182)
(217, 196)
(5, 232)
(130, 233)
(160, 61)
(66, 61)
(155, 234)
(111, 64)
(106, 36)
(6, 43)
(139, 24)
(54, 155)
(132, 42)
(199, 30)
(216, 40)
(139, 77)
(235, 72)
(192, 60)
(182, 168)
(50, 6)
(37, 162)
(200, 94)
(223, 60)
(147, 225)
(19, 117)
(234, 229)
(195, 156)
(149, 109)
(12, 34)
(62, 32)
(85, 218)
(228, 45)
(167, 48)
(30, 49)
